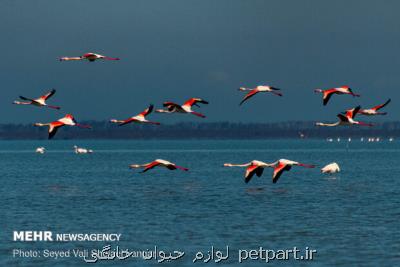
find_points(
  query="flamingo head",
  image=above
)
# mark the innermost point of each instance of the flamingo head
(318, 91)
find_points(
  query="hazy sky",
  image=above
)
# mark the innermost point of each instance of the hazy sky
(174, 50)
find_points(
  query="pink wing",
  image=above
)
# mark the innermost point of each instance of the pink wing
(278, 170)
(49, 94)
(250, 94)
(147, 111)
(151, 166)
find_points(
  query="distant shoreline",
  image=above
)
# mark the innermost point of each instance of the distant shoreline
(103, 130)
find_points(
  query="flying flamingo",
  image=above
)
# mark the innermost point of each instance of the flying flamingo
(374, 110)
(89, 56)
(260, 88)
(55, 125)
(158, 162)
(141, 118)
(39, 102)
(185, 108)
(257, 167)
(346, 120)
(339, 91)
(253, 167)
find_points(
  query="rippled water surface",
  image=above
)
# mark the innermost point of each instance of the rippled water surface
(351, 218)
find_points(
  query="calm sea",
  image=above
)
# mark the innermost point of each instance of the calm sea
(350, 219)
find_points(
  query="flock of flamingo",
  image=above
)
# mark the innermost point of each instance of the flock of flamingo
(255, 167)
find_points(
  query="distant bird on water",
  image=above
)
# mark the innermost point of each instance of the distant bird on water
(185, 108)
(89, 56)
(140, 118)
(81, 150)
(374, 110)
(346, 120)
(258, 89)
(39, 102)
(327, 94)
(55, 125)
(331, 168)
(158, 162)
(40, 150)
(257, 167)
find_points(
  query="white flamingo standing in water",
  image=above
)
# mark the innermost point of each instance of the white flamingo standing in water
(257, 167)
(346, 120)
(55, 125)
(258, 89)
(140, 118)
(331, 168)
(159, 163)
(327, 94)
(39, 102)
(89, 56)
(374, 110)
(185, 108)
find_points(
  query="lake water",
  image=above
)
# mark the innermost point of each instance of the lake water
(350, 218)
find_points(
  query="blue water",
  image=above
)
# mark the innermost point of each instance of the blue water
(351, 218)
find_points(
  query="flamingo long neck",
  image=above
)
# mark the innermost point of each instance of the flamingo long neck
(42, 124)
(138, 165)
(70, 58)
(163, 111)
(274, 164)
(327, 124)
(237, 165)
(21, 103)
(116, 121)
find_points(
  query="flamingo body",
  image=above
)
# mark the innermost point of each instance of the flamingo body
(140, 118)
(327, 94)
(185, 108)
(39, 102)
(374, 110)
(159, 163)
(88, 56)
(55, 125)
(258, 89)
